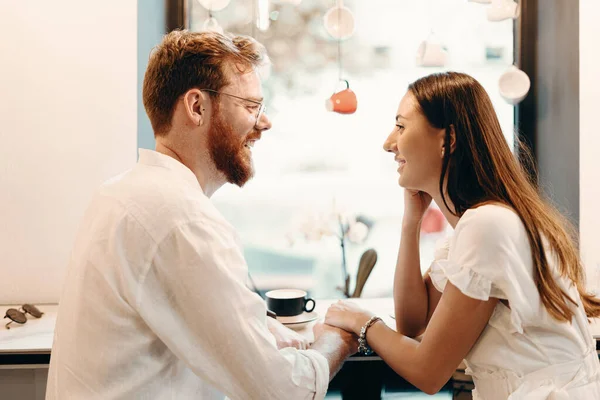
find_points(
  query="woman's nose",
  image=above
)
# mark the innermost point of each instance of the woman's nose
(390, 143)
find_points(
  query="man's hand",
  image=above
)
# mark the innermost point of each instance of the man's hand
(349, 339)
(286, 337)
(335, 344)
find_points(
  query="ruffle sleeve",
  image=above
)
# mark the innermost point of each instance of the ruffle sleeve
(482, 259)
(469, 282)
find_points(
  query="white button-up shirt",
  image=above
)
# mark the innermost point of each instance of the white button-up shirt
(155, 304)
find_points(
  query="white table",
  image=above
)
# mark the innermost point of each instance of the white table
(24, 342)
(28, 346)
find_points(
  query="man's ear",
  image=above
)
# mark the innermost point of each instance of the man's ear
(195, 103)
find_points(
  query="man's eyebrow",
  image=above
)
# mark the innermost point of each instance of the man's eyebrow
(256, 99)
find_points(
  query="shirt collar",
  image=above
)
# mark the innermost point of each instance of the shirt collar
(154, 158)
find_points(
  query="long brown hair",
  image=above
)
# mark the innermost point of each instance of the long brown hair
(481, 168)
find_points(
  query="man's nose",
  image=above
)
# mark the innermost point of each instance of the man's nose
(264, 123)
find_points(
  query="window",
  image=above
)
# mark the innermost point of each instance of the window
(311, 156)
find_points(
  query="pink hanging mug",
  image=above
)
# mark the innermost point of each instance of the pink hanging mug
(343, 102)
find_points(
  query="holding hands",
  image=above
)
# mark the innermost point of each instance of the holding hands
(347, 316)
(350, 340)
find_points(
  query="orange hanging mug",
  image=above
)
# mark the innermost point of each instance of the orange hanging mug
(343, 102)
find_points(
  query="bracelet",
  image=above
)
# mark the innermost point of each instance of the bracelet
(363, 347)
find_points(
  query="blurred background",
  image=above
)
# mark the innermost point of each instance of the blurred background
(313, 158)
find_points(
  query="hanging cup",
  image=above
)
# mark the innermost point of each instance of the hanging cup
(514, 85)
(502, 9)
(214, 5)
(211, 24)
(342, 102)
(339, 22)
(431, 54)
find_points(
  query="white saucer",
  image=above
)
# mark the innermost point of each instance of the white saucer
(298, 321)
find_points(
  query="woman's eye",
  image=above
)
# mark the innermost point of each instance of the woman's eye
(399, 127)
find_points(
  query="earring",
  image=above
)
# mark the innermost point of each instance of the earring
(443, 152)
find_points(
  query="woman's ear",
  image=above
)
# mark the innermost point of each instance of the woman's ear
(452, 139)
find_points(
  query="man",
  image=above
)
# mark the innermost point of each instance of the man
(155, 304)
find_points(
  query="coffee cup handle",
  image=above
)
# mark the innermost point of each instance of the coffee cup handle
(306, 303)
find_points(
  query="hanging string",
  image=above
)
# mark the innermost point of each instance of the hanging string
(338, 4)
(339, 45)
(430, 7)
(518, 28)
(254, 16)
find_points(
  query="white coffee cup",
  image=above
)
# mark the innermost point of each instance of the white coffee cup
(431, 54)
(514, 85)
(500, 10)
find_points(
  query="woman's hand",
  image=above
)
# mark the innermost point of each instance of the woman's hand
(347, 316)
(416, 203)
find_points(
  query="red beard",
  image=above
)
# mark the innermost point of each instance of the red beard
(228, 151)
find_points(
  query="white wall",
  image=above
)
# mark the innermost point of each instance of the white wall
(67, 123)
(589, 140)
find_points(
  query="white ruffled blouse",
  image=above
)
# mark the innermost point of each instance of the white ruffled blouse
(523, 353)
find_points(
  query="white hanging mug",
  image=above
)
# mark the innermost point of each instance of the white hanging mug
(431, 54)
(214, 5)
(339, 22)
(514, 85)
(502, 9)
(212, 24)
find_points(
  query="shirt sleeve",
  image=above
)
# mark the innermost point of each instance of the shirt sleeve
(194, 298)
(479, 256)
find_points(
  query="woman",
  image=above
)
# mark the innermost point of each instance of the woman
(506, 292)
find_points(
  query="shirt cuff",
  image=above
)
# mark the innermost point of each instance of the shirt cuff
(321, 367)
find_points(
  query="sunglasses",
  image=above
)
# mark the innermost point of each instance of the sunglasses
(19, 316)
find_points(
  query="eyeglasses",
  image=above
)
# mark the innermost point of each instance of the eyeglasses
(261, 106)
(19, 316)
